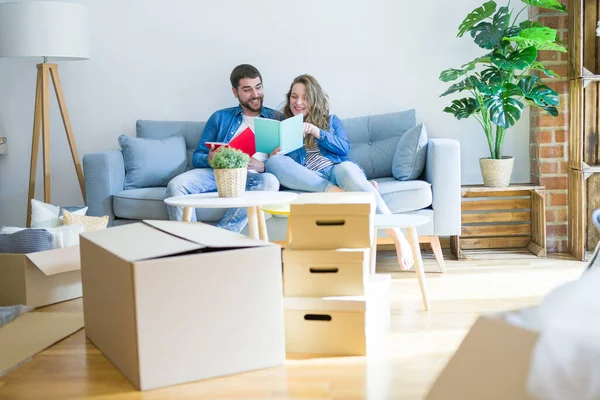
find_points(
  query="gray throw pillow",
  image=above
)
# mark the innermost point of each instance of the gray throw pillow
(26, 241)
(410, 154)
(152, 162)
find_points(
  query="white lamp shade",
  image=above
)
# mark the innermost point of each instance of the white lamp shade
(34, 29)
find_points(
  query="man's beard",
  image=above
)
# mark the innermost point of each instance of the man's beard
(247, 104)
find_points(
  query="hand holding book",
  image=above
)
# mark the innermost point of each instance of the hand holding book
(243, 141)
(310, 129)
(287, 134)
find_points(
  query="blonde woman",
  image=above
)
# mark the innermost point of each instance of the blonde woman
(323, 165)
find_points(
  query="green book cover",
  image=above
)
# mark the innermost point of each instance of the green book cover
(270, 133)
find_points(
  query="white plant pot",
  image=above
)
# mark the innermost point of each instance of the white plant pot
(496, 173)
(231, 182)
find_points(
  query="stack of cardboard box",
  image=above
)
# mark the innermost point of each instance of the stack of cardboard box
(332, 305)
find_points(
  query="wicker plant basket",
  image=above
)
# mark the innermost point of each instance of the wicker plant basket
(231, 182)
(496, 173)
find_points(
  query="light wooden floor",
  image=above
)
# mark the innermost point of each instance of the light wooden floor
(403, 367)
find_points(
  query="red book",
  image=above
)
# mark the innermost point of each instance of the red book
(244, 141)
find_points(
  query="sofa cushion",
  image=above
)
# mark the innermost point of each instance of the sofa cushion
(190, 130)
(152, 162)
(410, 155)
(373, 140)
(405, 196)
(147, 203)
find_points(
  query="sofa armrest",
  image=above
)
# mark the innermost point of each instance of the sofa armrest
(442, 171)
(104, 175)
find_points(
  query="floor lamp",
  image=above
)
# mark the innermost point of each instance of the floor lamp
(46, 30)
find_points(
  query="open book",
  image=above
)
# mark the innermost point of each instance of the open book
(270, 134)
(243, 141)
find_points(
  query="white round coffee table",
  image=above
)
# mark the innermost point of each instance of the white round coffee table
(409, 223)
(251, 200)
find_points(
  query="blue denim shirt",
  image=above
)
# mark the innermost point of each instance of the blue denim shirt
(220, 127)
(334, 144)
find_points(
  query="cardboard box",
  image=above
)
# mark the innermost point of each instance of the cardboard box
(41, 278)
(491, 363)
(338, 326)
(172, 302)
(318, 273)
(332, 220)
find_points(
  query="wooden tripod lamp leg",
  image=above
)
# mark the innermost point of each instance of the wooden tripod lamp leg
(46, 130)
(67, 123)
(35, 143)
(42, 115)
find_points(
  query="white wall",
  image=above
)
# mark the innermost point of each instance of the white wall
(158, 59)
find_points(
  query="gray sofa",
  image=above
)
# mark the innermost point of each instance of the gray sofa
(436, 193)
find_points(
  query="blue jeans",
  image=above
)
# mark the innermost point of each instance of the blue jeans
(202, 180)
(346, 175)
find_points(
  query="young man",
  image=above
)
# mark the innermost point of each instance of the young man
(246, 85)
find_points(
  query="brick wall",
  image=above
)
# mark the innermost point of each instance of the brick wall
(548, 141)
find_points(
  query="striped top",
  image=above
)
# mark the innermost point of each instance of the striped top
(314, 159)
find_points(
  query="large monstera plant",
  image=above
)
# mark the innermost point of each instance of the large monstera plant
(500, 84)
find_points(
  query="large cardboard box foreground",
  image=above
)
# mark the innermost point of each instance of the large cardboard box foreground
(41, 278)
(492, 363)
(173, 302)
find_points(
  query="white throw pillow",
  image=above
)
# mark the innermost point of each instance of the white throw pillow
(44, 215)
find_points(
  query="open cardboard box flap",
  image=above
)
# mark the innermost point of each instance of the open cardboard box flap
(56, 261)
(206, 235)
(492, 363)
(155, 239)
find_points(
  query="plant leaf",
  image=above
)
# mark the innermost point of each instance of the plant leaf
(529, 24)
(476, 16)
(512, 31)
(492, 76)
(487, 90)
(552, 47)
(505, 110)
(520, 59)
(541, 95)
(463, 108)
(551, 110)
(512, 90)
(549, 4)
(539, 34)
(538, 66)
(452, 74)
(489, 35)
(542, 38)
(528, 83)
(479, 60)
(524, 43)
(466, 84)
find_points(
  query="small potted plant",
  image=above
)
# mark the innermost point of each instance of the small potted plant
(231, 169)
(499, 84)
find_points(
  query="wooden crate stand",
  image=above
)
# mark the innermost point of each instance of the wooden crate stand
(502, 218)
(583, 143)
